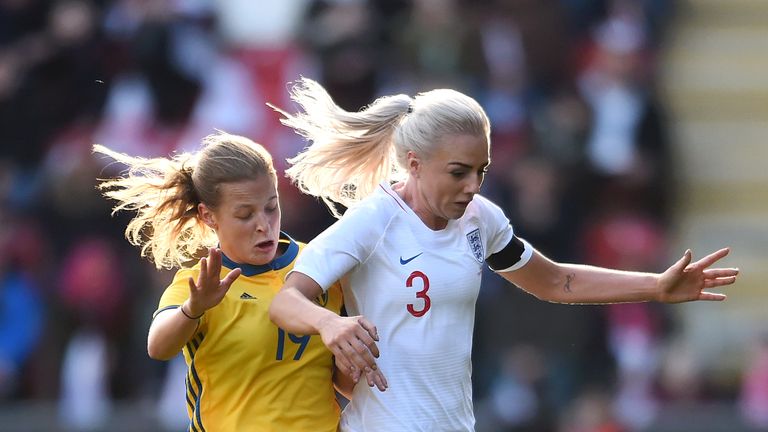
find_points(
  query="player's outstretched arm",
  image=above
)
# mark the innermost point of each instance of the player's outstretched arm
(573, 283)
(352, 340)
(172, 328)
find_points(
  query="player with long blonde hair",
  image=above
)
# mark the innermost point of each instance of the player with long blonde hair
(411, 248)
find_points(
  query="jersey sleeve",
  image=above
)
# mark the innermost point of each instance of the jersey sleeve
(177, 292)
(497, 230)
(501, 239)
(344, 245)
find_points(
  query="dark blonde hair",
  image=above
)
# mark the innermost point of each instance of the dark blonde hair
(350, 153)
(165, 193)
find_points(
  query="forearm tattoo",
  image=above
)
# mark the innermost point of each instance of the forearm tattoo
(568, 278)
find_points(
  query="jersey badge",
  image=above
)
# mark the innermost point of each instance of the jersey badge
(476, 245)
(322, 299)
(246, 296)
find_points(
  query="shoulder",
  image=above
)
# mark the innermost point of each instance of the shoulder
(376, 210)
(351, 239)
(179, 284)
(383, 201)
(482, 207)
(178, 290)
(184, 273)
(492, 224)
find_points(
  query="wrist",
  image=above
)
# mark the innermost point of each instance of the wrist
(659, 294)
(324, 321)
(188, 312)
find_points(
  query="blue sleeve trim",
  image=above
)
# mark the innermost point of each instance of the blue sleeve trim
(164, 309)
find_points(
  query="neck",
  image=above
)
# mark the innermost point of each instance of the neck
(416, 201)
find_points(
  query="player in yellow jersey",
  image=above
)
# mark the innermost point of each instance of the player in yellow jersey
(244, 373)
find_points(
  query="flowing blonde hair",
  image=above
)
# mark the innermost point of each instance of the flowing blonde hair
(350, 153)
(165, 193)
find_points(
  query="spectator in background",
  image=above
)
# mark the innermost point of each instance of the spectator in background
(515, 402)
(591, 411)
(151, 92)
(433, 50)
(47, 73)
(343, 37)
(262, 36)
(626, 148)
(753, 400)
(93, 293)
(636, 332)
(681, 377)
(21, 306)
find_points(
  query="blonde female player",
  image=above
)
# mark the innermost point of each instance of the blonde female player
(244, 373)
(411, 249)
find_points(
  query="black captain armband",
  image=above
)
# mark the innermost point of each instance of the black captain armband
(507, 257)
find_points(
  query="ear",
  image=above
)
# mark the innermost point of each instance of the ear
(414, 163)
(206, 215)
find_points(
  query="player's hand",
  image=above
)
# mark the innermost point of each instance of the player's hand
(208, 291)
(372, 377)
(352, 340)
(687, 281)
(376, 378)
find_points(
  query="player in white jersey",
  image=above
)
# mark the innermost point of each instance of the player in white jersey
(410, 252)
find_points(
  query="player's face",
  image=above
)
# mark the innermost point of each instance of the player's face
(451, 176)
(247, 220)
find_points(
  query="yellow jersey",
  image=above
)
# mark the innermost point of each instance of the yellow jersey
(245, 373)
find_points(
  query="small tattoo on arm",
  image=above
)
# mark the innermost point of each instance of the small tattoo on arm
(568, 279)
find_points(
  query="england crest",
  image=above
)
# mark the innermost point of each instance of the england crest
(476, 245)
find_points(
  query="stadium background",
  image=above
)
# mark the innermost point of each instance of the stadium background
(624, 131)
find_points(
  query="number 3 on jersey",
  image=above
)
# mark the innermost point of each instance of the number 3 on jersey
(420, 294)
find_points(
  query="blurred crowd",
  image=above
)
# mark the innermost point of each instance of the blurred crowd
(581, 164)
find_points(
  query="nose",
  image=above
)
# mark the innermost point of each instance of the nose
(262, 222)
(473, 185)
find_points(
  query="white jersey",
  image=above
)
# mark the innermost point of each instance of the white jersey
(418, 287)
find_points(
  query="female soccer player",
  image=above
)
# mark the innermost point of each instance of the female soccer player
(244, 373)
(410, 252)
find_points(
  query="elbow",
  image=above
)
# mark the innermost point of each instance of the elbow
(158, 352)
(549, 291)
(556, 284)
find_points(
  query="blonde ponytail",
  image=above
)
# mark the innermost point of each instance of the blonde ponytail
(350, 152)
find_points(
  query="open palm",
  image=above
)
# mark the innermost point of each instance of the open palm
(686, 281)
(208, 291)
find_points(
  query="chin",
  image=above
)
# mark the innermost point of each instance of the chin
(457, 214)
(267, 258)
(261, 258)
